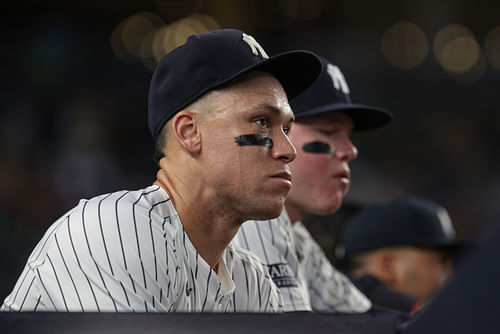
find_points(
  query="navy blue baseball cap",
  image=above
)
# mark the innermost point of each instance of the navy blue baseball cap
(330, 93)
(209, 60)
(406, 221)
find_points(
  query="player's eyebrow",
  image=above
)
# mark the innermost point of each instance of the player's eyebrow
(275, 110)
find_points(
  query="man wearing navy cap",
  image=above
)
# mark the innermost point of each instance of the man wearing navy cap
(326, 118)
(219, 113)
(468, 303)
(398, 252)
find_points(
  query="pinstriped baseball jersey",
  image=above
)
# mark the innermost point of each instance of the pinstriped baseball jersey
(299, 267)
(273, 242)
(329, 289)
(128, 251)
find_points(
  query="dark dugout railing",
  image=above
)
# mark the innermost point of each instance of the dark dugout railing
(221, 323)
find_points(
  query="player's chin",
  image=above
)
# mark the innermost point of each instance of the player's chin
(270, 208)
(329, 206)
(327, 210)
(278, 186)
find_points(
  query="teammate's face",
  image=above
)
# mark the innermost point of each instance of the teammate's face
(421, 272)
(321, 174)
(245, 147)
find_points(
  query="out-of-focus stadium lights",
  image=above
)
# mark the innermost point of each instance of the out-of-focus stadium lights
(158, 43)
(175, 34)
(127, 39)
(133, 33)
(492, 47)
(404, 45)
(117, 44)
(456, 49)
(460, 54)
(473, 74)
(144, 37)
(209, 22)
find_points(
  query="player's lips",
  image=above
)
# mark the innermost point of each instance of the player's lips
(285, 176)
(344, 176)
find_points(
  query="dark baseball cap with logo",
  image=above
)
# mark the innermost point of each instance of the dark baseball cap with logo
(330, 93)
(406, 221)
(212, 59)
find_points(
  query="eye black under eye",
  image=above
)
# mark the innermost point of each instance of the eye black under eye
(317, 147)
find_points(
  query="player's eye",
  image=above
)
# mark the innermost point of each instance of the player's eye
(327, 133)
(263, 122)
(286, 130)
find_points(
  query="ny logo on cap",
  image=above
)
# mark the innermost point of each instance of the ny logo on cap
(256, 48)
(446, 224)
(337, 78)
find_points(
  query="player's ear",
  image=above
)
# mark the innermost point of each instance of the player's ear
(386, 264)
(186, 131)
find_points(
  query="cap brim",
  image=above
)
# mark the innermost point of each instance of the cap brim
(455, 247)
(295, 70)
(364, 117)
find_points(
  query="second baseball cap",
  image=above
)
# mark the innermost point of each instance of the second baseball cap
(406, 221)
(209, 60)
(330, 93)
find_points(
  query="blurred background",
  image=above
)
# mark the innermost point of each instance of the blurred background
(75, 76)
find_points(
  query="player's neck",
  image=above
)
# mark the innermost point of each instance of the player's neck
(294, 212)
(210, 228)
(209, 235)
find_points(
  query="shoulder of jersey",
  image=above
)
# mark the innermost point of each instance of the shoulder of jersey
(247, 257)
(141, 198)
(301, 232)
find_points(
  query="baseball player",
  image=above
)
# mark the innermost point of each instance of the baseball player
(468, 303)
(399, 252)
(321, 178)
(219, 111)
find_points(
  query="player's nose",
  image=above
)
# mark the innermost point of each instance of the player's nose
(283, 148)
(346, 150)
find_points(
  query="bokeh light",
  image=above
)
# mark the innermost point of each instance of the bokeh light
(209, 22)
(186, 28)
(160, 40)
(144, 36)
(404, 45)
(492, 47)
(473, 74)
(456, 49)
(117, 44)
(131, 39)
(460, 54)
(175, 34)
(133, 32)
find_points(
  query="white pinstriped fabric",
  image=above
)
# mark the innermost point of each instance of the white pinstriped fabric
(128, 252)
(299, 267)
(273, 242)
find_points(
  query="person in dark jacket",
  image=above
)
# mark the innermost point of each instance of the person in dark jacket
(399, 253)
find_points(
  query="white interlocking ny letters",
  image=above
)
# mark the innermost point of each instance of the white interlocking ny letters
(256, 48)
